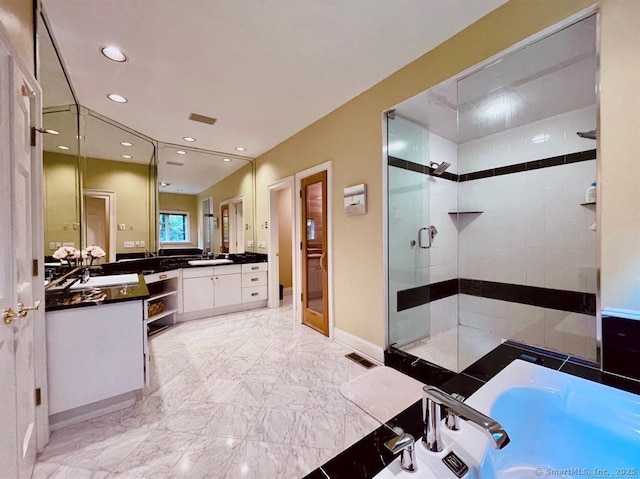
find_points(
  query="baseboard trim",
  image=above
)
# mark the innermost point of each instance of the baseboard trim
(372, 351)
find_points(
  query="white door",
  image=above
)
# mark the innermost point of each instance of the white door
(96, 219)
(17, 355)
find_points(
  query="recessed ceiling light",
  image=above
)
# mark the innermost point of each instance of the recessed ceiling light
(117, 98)
(190, 139)
(181, 152)
(51, 131)
(62, 147)
(126, 143)
(240, 148)
(127, 157)
(162, 183)
(226, 159)
(114, 53)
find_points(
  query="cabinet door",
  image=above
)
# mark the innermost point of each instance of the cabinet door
(197, 294)
(228, 290)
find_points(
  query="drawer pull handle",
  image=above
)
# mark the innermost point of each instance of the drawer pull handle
(255, 279)
(255, 294)
(253, 268)
(163, 276)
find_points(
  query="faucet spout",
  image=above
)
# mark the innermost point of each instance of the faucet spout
(434, 399)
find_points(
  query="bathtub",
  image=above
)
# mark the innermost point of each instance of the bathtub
(560, 426)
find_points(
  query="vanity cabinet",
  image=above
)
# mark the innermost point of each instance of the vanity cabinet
(211, 290)
(161, 308)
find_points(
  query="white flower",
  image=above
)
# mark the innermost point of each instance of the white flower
(94, 252)
(66, 252)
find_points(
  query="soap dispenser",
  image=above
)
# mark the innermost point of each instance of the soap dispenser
(590, 195)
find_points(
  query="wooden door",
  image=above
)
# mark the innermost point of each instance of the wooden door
(315, 279)
(17, 347)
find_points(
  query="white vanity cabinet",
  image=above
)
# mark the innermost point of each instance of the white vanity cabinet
(211, 290)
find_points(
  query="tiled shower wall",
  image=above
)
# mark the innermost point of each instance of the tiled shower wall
(533, 231)
(416, 201)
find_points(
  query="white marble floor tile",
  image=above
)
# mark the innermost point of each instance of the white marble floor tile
(251, 394)
(231, 420)
(206, 457)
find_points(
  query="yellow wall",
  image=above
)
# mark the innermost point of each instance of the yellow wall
(239, 183)
(177, 202)
(619, 154)
(130, 183)
(285, 223)
(61, 218)
(351, 137)
(17, 18)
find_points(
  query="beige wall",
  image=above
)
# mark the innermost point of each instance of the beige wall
(188, 203)
(17, 17)
(351, 137)
(61, 218)
(130, 183)
(619, 153)
(239, 183)
(285, 220)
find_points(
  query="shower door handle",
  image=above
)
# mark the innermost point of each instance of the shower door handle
(430, 233)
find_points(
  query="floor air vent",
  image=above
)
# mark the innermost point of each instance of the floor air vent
(356, 358)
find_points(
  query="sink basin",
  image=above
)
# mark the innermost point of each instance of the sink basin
(209, 262)
(109, 280)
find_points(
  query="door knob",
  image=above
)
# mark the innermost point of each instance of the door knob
(9, 315)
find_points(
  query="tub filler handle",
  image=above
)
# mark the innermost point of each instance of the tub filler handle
(434, 399)
(403, 443)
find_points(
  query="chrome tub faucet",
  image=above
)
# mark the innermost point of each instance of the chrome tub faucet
(433, 402)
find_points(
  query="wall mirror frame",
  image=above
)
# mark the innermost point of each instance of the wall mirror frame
(79, 189)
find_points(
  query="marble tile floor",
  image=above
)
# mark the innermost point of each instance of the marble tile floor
(244, 395)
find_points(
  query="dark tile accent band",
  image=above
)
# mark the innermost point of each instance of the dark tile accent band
(502, 170)
(530, 165)
(573, 301)
(418, 168)
(410, 298)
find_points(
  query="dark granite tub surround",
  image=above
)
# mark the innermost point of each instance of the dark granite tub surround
(369, 456)
(621, 342)
(66, 298)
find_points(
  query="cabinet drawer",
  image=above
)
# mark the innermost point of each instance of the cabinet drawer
(254, 294)
(155, 277)
(227, 269)
(197, 272)
(253, 267)
(254, 279)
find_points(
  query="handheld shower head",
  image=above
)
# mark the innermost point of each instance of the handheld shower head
(439, 168)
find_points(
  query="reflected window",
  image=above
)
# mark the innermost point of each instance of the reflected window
(311, 229)
(174, 227)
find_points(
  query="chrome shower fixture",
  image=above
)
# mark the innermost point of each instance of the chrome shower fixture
(439, 168)
(590, 135)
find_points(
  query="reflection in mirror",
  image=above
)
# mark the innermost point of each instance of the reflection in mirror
(195, 184)
(61, 148)
(118, 187)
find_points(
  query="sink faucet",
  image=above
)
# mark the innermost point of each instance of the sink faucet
(434, 399)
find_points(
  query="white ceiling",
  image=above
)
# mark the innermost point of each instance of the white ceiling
(264, 69)
(552, 76)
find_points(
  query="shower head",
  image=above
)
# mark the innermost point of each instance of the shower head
(439, 168)
(591, 134)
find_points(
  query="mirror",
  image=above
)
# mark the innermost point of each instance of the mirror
(209, 196)
(164, 198)
(118, 188)
(61, 151)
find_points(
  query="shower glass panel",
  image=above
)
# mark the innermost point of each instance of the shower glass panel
(408, 234)
(527, 257)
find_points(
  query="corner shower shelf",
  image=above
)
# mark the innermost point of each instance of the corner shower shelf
(589, 203)
(465, 212)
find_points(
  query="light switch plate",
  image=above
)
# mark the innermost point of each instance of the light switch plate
(250, 243)
(129, 244)
(137, 244)
(142, 244)
(122, 226)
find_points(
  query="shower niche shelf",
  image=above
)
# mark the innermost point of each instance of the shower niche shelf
(465, 212)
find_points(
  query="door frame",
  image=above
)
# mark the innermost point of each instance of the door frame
(110, 196)
(328, 167)
(273, 244)
(235, 236)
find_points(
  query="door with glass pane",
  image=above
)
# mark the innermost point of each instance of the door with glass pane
(314, 252)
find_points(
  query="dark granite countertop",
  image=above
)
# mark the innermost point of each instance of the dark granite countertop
(56, 300)
(161, 264)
